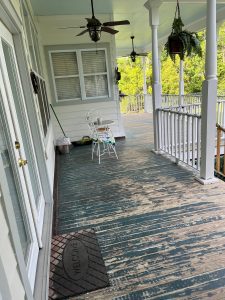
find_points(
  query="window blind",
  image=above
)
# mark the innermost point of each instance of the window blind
(94, 61)
(64, 63)
(96, 86)
(68, 88)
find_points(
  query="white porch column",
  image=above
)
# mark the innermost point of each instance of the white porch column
(181, 83)
(153, 7)
(209, 97)
(147, 97)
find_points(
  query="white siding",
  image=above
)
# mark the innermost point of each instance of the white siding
(72, 118)
(9, 261)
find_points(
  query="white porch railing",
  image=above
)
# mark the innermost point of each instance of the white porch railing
(176, 100)
(188, 108)
(180, 135)
(131, 104)
(170, 100)
(179, 129)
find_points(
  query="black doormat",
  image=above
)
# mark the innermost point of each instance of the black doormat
(76, 265)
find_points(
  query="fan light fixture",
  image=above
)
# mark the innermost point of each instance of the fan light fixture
(94, 27)
(133, 53)
(133, 56)
(95, 33)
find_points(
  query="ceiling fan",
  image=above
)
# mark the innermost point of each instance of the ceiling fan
(95, 27)
(133, 54)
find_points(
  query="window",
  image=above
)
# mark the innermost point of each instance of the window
(35, 60)
(32, 42)
(79, 74)
(66, 76)
(43, 104)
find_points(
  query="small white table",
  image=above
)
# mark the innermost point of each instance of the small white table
(104, 123)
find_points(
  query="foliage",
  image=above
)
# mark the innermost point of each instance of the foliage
(132, 78)
(186, 42)
(221, 61)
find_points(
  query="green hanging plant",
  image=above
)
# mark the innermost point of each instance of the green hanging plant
(182, 42)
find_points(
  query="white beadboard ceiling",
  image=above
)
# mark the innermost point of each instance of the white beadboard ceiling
(193, 13)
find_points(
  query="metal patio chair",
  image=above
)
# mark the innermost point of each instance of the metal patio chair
(103, 141)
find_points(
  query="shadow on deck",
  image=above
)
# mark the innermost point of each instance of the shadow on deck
(161, 233)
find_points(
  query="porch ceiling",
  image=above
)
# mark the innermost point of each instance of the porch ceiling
(193, 14)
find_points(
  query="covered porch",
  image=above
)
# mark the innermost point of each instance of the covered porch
(161, 233)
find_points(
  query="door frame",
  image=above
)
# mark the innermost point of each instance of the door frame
(10, 17)
(7, 121)
(4, 190)
(19, 114)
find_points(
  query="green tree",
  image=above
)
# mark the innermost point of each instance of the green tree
(132, 76)
(221, 60)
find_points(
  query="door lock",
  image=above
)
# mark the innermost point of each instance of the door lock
(22, 162)
(17, 145)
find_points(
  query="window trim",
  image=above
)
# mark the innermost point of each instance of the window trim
(80, 75)
(31, 32)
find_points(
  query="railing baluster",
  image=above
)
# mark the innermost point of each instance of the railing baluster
(198, 141)
(165, 130)
(183, 131)
(179, 135)
(175, 134)
(159, 112)
(171, 133)
(193, 139)
(162, 131)
(188, 139)
(168, 131)
(218, 149)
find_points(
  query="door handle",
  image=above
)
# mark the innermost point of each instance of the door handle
(22, 162)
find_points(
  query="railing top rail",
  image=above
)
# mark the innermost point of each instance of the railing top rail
(179, 112)
(220, 127)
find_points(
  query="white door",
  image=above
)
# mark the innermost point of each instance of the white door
(18, 156)
(17, 110)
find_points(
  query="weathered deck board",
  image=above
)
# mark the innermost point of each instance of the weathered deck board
(161, 233)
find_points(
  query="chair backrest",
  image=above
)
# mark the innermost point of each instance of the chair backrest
(102, 134)
(92, 115)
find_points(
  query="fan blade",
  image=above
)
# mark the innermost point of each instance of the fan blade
(82, 32)
(72, 27)
(109, 30)
(89, 19)
(142, 54)
(115, 23)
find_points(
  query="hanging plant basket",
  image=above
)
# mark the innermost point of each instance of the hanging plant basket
(182, 42)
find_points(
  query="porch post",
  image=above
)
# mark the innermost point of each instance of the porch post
(147, 98)
(153, 7)
(181, 83)
(209, 98)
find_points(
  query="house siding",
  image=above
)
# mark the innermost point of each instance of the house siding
(73, 120)
(8, 261)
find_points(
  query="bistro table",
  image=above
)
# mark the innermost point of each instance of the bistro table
(103, 124)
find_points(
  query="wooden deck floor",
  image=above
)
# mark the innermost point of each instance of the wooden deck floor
(161, 233)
